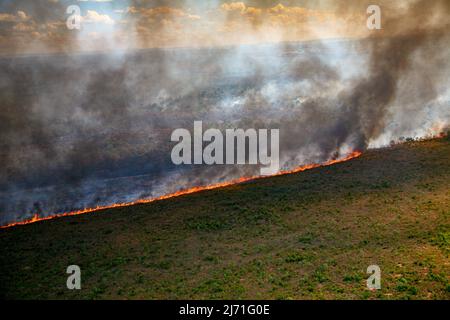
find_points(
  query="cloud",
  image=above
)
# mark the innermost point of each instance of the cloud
(179, 23)
(96, 18)
(174, 23)
(160, 13)
(234, 6)
(22, 27)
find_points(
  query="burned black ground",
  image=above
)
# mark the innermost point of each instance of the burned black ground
(309, 235)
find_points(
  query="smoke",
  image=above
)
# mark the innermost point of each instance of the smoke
(88, 129)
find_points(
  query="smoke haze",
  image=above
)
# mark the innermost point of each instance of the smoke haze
(87, 128)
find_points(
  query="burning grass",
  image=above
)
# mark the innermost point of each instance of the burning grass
(306, 235)
(37, 218)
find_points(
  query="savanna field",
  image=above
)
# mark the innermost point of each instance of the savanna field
(309, 235)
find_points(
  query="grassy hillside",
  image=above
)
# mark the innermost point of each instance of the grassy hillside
(300, 236)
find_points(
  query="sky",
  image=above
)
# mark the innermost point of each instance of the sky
(39, 26)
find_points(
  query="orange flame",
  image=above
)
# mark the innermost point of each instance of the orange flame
(37, 218)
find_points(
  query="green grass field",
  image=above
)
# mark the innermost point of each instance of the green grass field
(309, 235)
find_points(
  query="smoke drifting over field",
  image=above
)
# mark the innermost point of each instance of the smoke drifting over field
(81, 130)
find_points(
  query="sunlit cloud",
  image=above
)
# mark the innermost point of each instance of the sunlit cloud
(189, 23)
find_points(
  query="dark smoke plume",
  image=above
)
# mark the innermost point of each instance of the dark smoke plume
(83, 130)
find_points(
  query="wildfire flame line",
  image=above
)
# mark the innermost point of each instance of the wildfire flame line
(37, 218)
